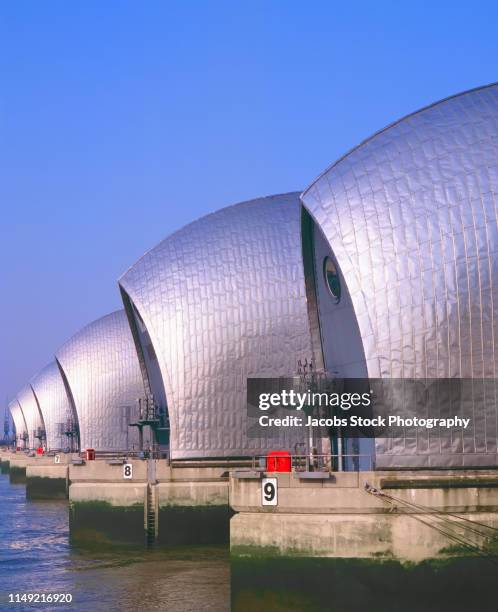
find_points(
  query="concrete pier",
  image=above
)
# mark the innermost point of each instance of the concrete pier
(335, 516)
(47, 476)
(5, 461)
(160, 504)
(17, 468)
(106, 508)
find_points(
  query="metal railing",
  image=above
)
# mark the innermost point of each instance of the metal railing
(320, 462)
(131, 454)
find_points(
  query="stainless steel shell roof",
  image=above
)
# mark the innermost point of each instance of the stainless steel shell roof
(32, 416)
(410, 215)
(223, 299)
(53, 401)
(18, 418)
(101, 368)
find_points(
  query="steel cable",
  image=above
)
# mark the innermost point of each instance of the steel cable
(465, 542)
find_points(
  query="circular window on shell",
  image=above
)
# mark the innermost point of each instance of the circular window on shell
(332, 281)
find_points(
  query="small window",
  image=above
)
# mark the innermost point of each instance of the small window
(332, 279)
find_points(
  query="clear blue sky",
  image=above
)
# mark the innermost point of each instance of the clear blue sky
(122, 121)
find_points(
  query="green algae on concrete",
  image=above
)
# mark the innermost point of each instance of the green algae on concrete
(356, 585)
(39, 487)
(5, 466)
(17, 475)
(97, 523)
(194, 525)
(245, 551)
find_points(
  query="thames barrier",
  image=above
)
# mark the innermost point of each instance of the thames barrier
(383, 269)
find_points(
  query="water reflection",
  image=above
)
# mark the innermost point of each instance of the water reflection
(36, 557)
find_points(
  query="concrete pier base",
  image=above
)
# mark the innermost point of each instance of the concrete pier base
(159, 504)
(4, 461)
(110, 514)
(403, 538)
(46, 479)
(337, 518)
(17, 469)
(104, 508)
(311, 584)
(193, 513)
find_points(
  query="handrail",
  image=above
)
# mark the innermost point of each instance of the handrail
(138, 454)
(318, 462)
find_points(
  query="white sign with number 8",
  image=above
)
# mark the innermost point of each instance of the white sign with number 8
(127, 470)
(269, 492)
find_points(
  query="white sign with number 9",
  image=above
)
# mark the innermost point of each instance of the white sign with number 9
(127, 470)
(269, 492)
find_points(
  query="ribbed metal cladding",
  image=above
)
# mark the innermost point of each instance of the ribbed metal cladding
(102, 371)
(223, 299)
(411, 216)
(32, 416)
(54, 405)
(18, 418)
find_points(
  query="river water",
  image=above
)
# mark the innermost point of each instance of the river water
(36, 557)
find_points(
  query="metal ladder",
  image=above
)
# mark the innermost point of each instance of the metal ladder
(151, 526)
(151, 517)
